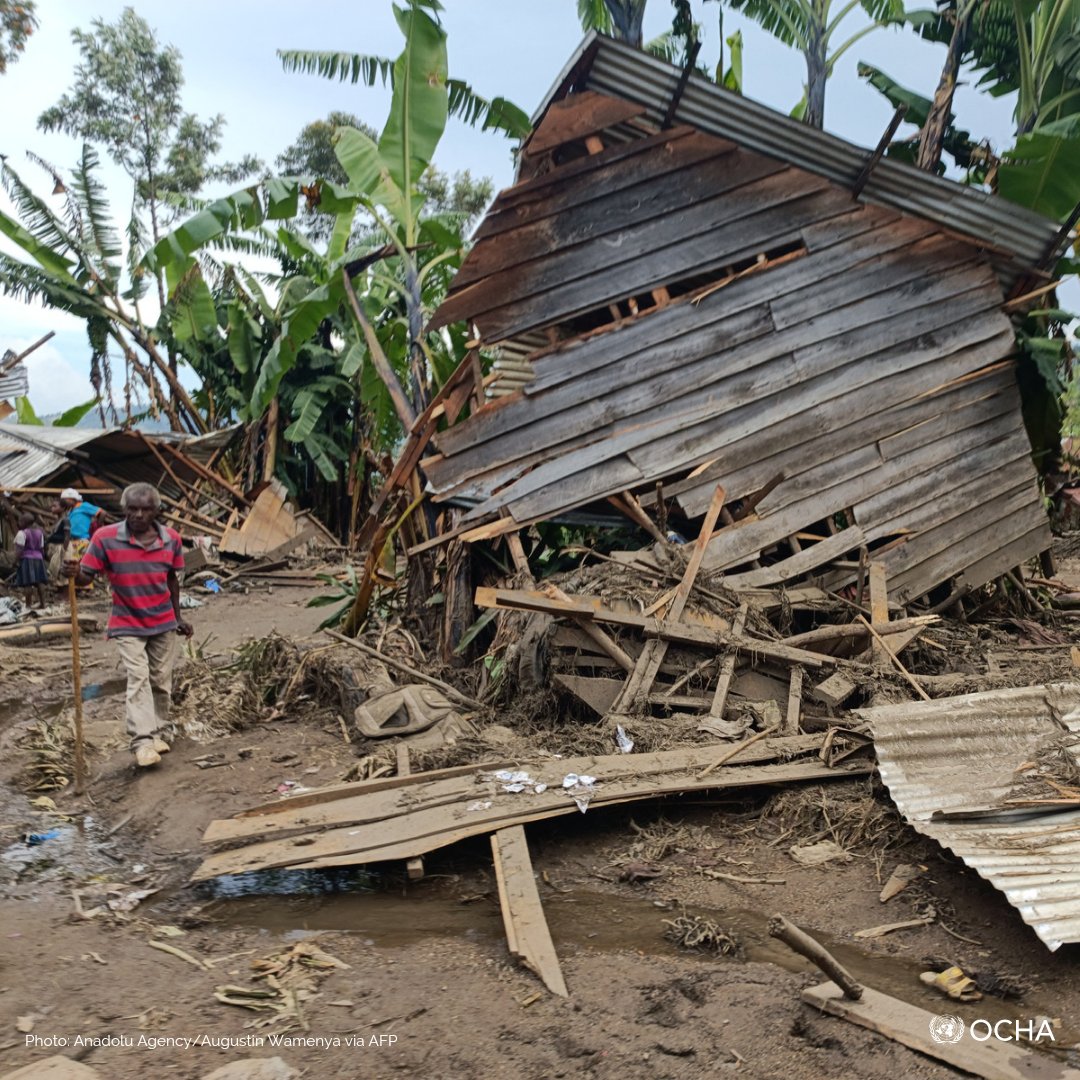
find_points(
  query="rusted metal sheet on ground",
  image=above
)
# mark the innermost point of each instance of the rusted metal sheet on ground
(951, 767)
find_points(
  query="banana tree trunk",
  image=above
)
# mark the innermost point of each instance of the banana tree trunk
(817, 74)
(627, 17)
(932, 139)
(417, 365)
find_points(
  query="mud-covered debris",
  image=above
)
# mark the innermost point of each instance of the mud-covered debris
(698, 932)
(901, 877)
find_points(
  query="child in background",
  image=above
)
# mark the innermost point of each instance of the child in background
(30, 553)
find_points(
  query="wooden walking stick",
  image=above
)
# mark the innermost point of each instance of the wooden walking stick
(76, 679)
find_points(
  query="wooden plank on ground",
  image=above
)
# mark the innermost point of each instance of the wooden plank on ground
(527, 933)
(421, 820)
(368, 802)
(911, 1026)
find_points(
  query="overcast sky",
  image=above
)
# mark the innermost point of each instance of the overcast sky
(515, 48)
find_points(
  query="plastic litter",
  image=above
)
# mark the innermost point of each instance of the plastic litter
(580, 788)
(516, 782)
(188, 601)
(291, 787)
(35, 838)
(623, 741)
(212, 585)
(480, 804)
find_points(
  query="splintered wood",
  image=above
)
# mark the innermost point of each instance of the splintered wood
(527, 933)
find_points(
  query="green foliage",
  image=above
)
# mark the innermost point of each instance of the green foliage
(463, 102)
(24, 412)
(18, 20)
(732, 79)
(810, 27)
(1042, 171)
(72, 416)
(957, 143)
(344, 593)
(126, 96)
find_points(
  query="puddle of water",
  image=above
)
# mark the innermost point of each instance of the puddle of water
(103, 689)
(580, 921)
(22, 708)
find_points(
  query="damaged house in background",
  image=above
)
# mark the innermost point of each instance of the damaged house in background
(685, 289)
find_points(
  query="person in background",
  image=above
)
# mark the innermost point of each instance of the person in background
(78, 520)
(140, 557)
(30, 556)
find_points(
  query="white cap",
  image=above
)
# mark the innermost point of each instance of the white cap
(71, 493)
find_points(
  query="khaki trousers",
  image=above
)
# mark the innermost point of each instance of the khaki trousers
(149, 664)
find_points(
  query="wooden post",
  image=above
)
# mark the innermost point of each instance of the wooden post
(879, 602)
(414, 867)
(76, 683)
(816, 953)
(270, 453)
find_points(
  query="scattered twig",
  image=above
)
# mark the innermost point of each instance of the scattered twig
(180, 954)
(407, 670)
(743, 880)
(738, 749)
(895, 659)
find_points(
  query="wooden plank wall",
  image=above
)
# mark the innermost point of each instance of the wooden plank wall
(870, 371)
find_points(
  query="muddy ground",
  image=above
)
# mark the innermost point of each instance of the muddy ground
(429, 989)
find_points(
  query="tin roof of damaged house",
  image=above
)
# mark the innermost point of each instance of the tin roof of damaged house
(952, 768)
(31, 453)
(1017, 237)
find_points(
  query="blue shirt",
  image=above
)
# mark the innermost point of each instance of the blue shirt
(79, 517)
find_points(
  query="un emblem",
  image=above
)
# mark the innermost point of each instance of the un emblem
(946, 1029)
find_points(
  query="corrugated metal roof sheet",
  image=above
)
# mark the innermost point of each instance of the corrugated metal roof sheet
(614, 68)
(958, 756)
(44, 450)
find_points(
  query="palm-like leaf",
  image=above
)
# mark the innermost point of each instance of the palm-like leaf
(784, 19)
(594, 15)
(465, 104)
(47, 230)
(340, 66)
(498, 114)
(100, 240)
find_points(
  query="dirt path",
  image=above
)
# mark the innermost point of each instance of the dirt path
(429, 989)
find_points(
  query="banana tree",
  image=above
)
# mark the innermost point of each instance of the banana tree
(71, 260)
(811, 26)
(620, 19)
(346, 331)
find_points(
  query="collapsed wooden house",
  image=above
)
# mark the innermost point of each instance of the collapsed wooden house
(38, 461)
(684, 289)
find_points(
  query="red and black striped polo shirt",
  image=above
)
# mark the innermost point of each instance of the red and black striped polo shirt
(139, 577)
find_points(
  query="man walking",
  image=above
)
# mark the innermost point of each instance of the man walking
(140, 557)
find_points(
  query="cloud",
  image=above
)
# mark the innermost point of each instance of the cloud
(56, 383)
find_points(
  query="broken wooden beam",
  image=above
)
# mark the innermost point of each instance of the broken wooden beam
(527, 933)
(665, 629)
(727, 669)
(419, 816)
(802, 943)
